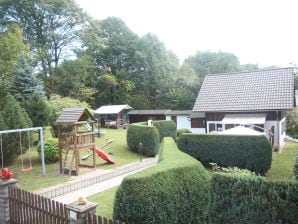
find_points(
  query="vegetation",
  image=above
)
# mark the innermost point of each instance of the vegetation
(182, 130)
(12, 116)
(295, 169)
(143, 139)
(246, 152)
(283, 163)
(249, 199)
(106, 202)
(174, 191)
(292, 123)
(51, 148)
(166, 129)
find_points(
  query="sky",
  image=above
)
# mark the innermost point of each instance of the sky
(263, 32)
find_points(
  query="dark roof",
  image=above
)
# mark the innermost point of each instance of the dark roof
(70, 116)
(179, 112)
(148, 112)
(271, 89)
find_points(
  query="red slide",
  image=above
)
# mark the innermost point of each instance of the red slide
(103, 155)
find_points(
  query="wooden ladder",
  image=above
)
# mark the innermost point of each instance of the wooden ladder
(68, 161)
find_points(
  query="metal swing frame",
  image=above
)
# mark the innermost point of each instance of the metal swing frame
(24, 130)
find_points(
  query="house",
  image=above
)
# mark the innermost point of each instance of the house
(181, 117)
(112, 115)
(256, 99)
(145, 115)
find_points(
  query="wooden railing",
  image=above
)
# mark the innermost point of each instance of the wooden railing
(68, 140)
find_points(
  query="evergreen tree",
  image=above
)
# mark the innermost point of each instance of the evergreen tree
(37, 109)
(25, 82)
(13, 116)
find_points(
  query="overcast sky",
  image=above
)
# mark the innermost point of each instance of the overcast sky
(256, 31)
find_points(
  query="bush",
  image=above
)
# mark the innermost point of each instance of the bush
(147, 135)
(37, 109)
(13, 116)
(50, 150)
(295, 169)
(176, 190)
(182, 130)
(249, 199)
(245, 152)
(166, 129)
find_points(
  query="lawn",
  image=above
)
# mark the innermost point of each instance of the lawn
(106, 202)
(34, 180)
(283, 163)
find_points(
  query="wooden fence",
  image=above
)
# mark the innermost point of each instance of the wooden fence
(29, 208)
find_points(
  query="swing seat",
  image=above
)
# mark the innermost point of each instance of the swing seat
(26, 169)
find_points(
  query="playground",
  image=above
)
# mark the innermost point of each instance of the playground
(35, 180)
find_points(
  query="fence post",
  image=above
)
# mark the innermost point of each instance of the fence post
(78, 213)
(4, 199)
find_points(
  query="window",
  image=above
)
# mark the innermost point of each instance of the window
(198, 123)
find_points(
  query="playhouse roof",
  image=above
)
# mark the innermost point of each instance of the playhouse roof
(73, 115)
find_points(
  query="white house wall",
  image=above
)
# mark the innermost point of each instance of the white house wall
(182, 121)
(198, 130)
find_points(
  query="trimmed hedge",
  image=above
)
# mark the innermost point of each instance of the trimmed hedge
(295, 169)
(182, 130)
(166, 129)
(147, 135)
(248, 199)
(246, 152)
(176, 190)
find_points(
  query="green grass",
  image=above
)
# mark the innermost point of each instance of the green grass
(106, 202)
(34, 180)
(283, 163)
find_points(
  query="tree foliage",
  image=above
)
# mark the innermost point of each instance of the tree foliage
(37, 109)
(11, 46)
(24, 82)
(49, 27)
(13, 116)
(206, 63)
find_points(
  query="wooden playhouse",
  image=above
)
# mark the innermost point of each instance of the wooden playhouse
(75, 133)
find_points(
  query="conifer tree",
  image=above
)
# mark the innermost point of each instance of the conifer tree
(25, 82)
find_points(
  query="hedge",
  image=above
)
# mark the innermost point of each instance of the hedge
(176, 190)
(166, 129)
(295, 169)
(248, 199)
(147, 135)
(246, 152)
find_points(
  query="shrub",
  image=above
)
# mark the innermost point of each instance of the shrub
(176, 190)
(295, 169)
(182, 130)
(249, 199)
(37, 109)
(245, 152)
(50, 150)
(166, 129)
(13, 116)
(147, 135)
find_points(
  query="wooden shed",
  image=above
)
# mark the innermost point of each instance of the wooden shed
(75, 133)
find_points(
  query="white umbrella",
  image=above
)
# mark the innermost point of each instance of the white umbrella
(240, 130)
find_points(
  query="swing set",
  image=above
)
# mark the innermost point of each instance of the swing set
(29, 167)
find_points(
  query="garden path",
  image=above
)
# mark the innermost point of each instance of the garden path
(91, 183)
